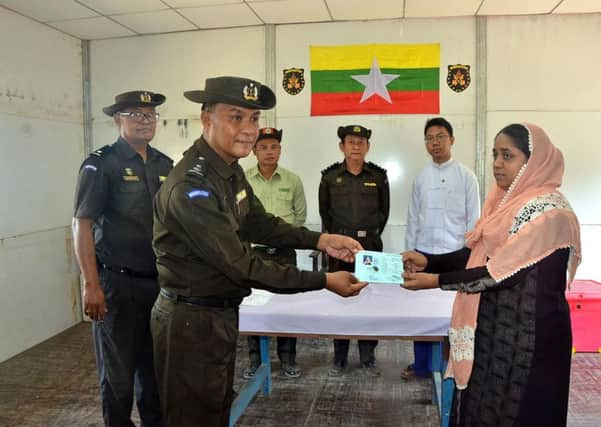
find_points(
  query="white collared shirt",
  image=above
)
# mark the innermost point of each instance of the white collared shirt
(444, 205)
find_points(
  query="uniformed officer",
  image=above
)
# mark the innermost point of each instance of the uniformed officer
(205, 215)
(281, 193)
(354, 200)
(112, 231)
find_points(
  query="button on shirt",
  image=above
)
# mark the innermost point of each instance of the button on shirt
(282, 195)
(444, 205)
(205, 215)
(115, 188)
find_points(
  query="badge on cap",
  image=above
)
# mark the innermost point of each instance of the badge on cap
(357, 129)
(267, 131)
(145, 97)
(249, 92)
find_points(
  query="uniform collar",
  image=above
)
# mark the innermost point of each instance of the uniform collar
(254, 171)
(364, 168)
(128, 152)
(221, 167)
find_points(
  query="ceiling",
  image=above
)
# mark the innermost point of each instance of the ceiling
(101, 19)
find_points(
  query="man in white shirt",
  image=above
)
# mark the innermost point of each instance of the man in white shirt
(444, 205)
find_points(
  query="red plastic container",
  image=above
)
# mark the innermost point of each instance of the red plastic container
(584, 299)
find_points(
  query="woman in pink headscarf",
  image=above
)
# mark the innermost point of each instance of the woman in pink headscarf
(510, 331)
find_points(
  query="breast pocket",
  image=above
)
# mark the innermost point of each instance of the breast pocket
(284, 203)
(369, 199)
(340, 197)
(132, 197)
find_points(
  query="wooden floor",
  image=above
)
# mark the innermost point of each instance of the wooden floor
(54, 384)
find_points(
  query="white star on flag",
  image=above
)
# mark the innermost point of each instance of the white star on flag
(375, 82)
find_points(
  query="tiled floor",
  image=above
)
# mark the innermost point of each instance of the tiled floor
(54, 384)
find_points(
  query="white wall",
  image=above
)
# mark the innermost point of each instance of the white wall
(540, 68)
(169, 64)
(41, 145)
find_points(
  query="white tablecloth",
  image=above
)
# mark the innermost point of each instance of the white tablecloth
(380, 310)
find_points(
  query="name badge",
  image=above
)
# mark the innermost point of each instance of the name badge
(131, 178)
(370, 184)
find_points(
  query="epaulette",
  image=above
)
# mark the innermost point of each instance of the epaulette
(376, 167)
(102, 151)
(331, 167)
(199, 170)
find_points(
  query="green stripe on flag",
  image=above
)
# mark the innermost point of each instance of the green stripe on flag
(410, 79)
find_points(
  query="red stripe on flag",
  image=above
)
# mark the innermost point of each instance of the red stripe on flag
(414, 102)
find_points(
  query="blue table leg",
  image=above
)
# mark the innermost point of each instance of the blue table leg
(261, 381)
(443, 389)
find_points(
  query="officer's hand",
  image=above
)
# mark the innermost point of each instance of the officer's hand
(414, 261)
(344, 284)
(93, 299)
(417, 281)
(338, 246)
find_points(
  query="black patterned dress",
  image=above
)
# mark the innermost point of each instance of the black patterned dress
(523, 343)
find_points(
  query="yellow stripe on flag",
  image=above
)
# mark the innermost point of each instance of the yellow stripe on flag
(353, 57)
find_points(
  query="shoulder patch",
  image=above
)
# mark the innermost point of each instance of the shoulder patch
(199, 170)
(197, 192)
(331, 168)
(376, 167)
(102, 151)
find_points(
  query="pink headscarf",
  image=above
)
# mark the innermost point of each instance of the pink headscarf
(508, 239)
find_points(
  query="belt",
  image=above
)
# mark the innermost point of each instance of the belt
(129, 272)
(359, 233)
(214, 302)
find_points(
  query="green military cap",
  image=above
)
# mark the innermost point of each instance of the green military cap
(135, 98)
(238, 91)
(265, 133)
(353, 130)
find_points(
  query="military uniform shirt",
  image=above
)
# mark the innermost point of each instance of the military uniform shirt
(205, 215)
(282, 195)
(354, 202)
(115, 188)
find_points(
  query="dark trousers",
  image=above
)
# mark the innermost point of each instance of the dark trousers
(366, 347)
(286, 350)
(422, 353)
(195, 356)
(366, 352)
(123, 347)
(286, 345)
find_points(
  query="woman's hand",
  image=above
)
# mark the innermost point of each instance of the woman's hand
(414, 261)
(417, 281)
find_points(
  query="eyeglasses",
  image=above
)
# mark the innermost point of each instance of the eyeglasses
(139, 116)
(439, 138)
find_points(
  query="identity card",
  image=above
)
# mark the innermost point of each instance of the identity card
(379, 267)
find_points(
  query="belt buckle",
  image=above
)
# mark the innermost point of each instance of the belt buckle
(271, 251)
(361, 233)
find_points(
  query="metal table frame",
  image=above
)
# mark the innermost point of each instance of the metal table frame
(442, 390)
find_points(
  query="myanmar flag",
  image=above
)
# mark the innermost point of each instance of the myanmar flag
(375, 79)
